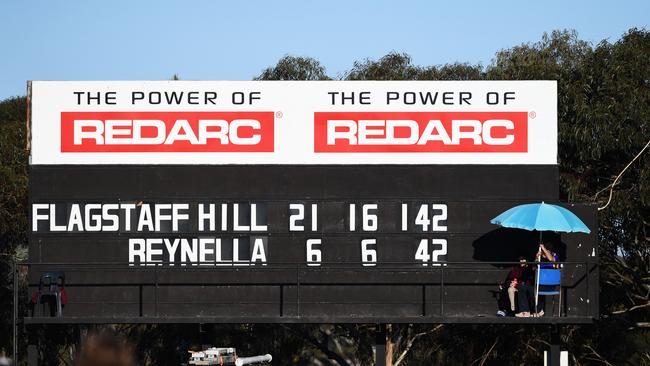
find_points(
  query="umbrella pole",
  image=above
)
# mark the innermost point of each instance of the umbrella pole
(537, 276)
(537, 288)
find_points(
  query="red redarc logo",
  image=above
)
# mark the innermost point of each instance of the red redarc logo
(357, 132)
(167, 131)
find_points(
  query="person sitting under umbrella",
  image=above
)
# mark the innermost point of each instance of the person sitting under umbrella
(539, 217)
(546, 254)
(519, 275)
(526, 291)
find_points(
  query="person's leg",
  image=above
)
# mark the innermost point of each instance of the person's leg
(541, 303)
(502, 303)
(511, 295)
(523, 299)
(502, 300)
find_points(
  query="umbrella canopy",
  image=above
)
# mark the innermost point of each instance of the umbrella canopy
(541, 217)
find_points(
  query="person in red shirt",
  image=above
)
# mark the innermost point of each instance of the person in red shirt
(518, 276)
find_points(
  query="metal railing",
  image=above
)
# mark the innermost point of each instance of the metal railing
(299, 276)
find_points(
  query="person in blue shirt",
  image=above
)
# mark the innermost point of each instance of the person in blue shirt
(547, 255)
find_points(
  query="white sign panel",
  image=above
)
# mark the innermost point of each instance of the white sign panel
(294, 122)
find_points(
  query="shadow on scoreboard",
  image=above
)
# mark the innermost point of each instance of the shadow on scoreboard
(507, 245)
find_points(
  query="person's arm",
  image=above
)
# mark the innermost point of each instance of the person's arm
(512, 276)
(548, 254)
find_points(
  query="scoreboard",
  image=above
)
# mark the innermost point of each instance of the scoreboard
(293, 201)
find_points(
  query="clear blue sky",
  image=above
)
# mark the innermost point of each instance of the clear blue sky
(235, 40)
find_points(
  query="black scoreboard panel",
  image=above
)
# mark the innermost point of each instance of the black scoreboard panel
(306, 243)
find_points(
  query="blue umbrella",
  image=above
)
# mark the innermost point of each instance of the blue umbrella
(541, 217)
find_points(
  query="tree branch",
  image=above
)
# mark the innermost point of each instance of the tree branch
(632, 308)
(323, 348)
(600, 358)
(411, 341)
(486, 354)
(611, 186)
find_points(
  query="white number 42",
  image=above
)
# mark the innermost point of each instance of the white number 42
(422, 253)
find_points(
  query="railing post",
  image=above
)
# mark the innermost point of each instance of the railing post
(140, 305)
(442, 291)
(155, 277)
(15, 278)
(588, 292)
(281, 300)
(298, 290)
(424, 300)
